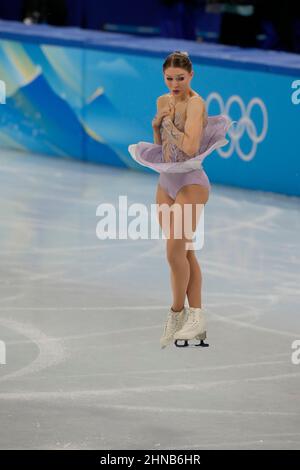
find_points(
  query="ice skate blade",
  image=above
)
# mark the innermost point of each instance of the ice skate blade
(202, 344)
(181, 345)
(201, 338)
(186, 343)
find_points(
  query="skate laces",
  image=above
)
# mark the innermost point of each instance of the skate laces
(192, 318)
(172, 320)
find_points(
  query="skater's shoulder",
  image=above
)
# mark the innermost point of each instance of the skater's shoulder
(162, 99)
(196, 98)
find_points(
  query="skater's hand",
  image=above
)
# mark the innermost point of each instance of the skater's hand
(160, 115)
(166, 111)
(171, 113)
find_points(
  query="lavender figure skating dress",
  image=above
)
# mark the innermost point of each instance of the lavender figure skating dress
(182, 169)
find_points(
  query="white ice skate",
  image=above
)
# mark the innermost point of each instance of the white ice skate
(173, 323)
(194, 328)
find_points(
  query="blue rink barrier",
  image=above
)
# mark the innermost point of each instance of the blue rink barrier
(88, 95)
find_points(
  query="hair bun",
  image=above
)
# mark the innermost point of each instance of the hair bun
(182, 53)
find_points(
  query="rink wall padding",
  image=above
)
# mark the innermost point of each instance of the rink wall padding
(88, 95)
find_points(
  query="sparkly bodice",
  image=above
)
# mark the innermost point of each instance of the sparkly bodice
(169, 148)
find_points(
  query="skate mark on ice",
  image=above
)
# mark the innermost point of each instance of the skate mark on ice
(50, 353)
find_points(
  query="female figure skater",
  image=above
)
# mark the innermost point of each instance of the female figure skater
(183, 136)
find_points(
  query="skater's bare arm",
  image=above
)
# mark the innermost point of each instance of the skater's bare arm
(162, 111)
(156, 136)
(189, 140)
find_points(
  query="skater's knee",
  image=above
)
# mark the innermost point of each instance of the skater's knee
(175, 252)
(173, 259)
(191, 256)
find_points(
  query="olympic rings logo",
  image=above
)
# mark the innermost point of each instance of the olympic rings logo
(244, 124)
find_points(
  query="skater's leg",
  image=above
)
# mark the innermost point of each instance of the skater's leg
(185, 270)
(194, 327)
(179, 272)
(162, 197)
(176, 253)
(176, 316)
(183, 276)
(176, 257)
(195, 282)
(195, 195)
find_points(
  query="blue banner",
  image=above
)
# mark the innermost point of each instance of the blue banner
(90, 102)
